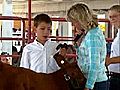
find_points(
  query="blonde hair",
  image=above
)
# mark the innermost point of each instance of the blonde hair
(81, 13)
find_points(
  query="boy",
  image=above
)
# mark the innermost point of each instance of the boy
(37, 56)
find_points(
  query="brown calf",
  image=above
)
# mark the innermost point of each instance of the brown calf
(16, 78)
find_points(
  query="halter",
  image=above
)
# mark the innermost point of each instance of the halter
(75, 82)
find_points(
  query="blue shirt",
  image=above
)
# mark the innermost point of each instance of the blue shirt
(91, 57)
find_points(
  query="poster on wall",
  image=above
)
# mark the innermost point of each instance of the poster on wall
(101, 25)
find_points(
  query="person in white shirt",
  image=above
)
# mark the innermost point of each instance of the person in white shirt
(114, 61)
(38, 56)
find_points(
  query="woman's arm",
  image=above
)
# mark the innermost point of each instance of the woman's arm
(94, 48)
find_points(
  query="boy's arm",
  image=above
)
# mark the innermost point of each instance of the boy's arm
(112, 60)
(25, 59)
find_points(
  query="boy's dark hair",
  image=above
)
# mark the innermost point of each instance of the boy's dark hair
(42, 18)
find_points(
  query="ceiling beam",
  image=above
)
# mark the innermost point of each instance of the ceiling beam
(40, 7)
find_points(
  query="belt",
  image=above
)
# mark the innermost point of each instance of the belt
(117, 75)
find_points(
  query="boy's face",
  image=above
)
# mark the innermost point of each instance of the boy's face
(43, 31)
(114, 17)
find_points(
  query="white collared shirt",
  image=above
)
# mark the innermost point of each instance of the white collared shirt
(115, 51)
(39, 58)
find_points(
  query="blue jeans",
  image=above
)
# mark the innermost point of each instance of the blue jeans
(115, 83)
(101, 85)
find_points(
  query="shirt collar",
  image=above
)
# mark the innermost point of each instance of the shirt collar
(38, 43)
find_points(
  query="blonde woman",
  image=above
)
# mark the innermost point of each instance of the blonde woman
(91, 47)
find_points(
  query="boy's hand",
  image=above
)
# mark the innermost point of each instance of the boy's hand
(63, 49)
(63, 52)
